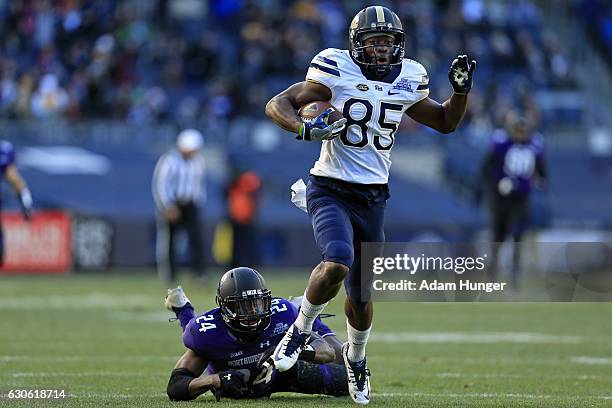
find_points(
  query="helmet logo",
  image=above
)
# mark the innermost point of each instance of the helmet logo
(251, 292)
(355, 22)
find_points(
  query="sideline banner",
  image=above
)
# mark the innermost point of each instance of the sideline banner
(41, 245)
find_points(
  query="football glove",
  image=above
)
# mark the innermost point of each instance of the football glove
(318, 129)
(460, 74)
(233, 384)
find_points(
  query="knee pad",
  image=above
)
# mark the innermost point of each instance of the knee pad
(340, 251)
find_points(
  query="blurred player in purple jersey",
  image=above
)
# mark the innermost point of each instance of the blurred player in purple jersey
(229, 347)
(11, 174)
(513, 166)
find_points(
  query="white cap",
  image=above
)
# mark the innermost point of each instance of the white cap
(189, 140)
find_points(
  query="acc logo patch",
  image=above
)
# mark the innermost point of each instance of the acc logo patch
(363, 87)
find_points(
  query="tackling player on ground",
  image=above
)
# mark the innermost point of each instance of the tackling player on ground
(373, 85)
(232, 345)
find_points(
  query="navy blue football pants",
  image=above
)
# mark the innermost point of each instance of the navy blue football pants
(343, 215)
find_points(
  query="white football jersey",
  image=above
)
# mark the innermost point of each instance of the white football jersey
(373, 109)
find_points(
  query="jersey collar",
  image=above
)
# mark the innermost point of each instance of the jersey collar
(389, 78)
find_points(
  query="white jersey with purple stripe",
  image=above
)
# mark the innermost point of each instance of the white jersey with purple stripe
(373, 109)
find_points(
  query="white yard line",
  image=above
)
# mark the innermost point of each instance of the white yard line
(81, 374)
(476, 338)
(98, 300)
(79, 359)
(492, 395)
(592, 360)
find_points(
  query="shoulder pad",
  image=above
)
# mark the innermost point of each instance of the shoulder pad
(417, 65)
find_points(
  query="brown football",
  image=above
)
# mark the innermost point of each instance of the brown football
(313, 109)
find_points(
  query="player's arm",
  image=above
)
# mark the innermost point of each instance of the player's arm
(445, 117)
(319, 352)
(187, 382)
(282, 108)
(21, 189)
(335, 344)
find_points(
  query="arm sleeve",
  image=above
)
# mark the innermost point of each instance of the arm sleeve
(324, 68)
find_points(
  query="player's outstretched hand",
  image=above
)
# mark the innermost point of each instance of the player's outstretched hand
(461, 74)
(318, 129)
(233, 384)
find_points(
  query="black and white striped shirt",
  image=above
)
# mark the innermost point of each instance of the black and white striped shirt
(178, 181)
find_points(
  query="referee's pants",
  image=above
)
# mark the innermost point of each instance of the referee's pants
(166, 234)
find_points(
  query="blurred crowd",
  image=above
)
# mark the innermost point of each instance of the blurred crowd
(151, 60)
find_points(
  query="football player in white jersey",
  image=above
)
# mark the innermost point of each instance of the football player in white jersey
(373, 85)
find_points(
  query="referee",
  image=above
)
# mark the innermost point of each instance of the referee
(178, 190)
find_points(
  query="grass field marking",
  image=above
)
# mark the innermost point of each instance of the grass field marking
(487, 395)
(81, 374)
(98, 300)
(584, 377)
(591, 360)
(148, 317)
(78, 359)
(476, 338)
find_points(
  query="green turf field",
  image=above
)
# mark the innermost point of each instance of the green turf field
(106, 341)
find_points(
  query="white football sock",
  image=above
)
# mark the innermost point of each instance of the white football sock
(357, 340)
(307, 315)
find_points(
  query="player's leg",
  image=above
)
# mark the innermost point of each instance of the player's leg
(334, 237)
(368, 223)
(500, 226)
(520, 223)
(178, 302)
(164, 250)
(196, 242)
(310, 378)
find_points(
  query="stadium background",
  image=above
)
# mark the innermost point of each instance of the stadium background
(92, 92)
